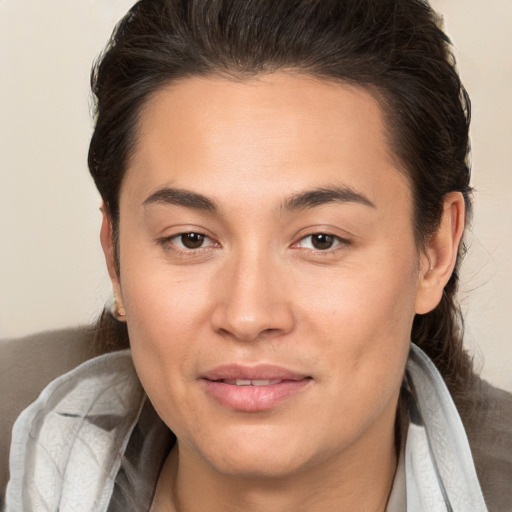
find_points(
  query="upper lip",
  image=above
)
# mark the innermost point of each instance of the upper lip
(257, 372)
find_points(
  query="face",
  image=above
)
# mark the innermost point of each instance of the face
(268, 270)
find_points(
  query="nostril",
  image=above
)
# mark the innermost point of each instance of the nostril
(250, 332)
(245, 313)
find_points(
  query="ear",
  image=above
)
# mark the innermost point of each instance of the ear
(439, 257)
(107, 244)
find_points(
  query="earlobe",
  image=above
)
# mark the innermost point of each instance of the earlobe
(439, 257)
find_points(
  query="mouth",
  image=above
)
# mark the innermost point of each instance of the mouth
(253, 389)
(249, 382)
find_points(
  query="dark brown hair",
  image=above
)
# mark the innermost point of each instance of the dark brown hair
(396, 48)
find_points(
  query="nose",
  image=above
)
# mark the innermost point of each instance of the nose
(252, 301)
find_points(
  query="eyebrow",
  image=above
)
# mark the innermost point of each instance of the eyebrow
(180, 197)
(321, 196)
(300, 201)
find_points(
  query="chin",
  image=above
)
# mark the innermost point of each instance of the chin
(269, 466)
(259, 455)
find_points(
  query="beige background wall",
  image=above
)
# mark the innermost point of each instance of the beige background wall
(51, 268)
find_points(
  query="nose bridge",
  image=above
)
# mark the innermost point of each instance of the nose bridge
(253, 300)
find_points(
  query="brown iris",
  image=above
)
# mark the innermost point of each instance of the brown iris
(192, 240)
(321, 241)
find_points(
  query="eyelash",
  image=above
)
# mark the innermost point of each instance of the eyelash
(338, 243)
(173, 243)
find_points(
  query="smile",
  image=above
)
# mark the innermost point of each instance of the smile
(248, 382)
(253, 389)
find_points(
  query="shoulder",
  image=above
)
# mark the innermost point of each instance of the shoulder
(27, 365)
(67, 443)
(486, 412)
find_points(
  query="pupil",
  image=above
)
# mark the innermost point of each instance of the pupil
(322, 241)
(192, 240)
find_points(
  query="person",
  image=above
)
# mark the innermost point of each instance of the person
(285, 189)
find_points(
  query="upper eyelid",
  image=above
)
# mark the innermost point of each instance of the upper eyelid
(341, 239)
(342, 244)
(167, 239)
(185, 231)
(181, 233)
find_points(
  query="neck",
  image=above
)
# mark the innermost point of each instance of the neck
(359, 478)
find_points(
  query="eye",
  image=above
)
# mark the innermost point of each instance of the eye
(191, 240)
(320, 241)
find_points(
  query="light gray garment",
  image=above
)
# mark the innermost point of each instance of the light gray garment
(69, 447)
(439, 468)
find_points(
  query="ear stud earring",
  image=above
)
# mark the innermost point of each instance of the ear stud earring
(118, 311)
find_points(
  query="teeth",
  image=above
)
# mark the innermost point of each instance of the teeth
(264, 382)
(255, 382)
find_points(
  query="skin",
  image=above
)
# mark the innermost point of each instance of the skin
(258, 291)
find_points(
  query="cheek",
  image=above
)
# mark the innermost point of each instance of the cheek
(165, 316)
(363, 317)
(167, 313)
(161, 300)
(373, 295)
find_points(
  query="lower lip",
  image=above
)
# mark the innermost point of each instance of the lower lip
(254, 398)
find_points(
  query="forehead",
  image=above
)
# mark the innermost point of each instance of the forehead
(272, 133)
